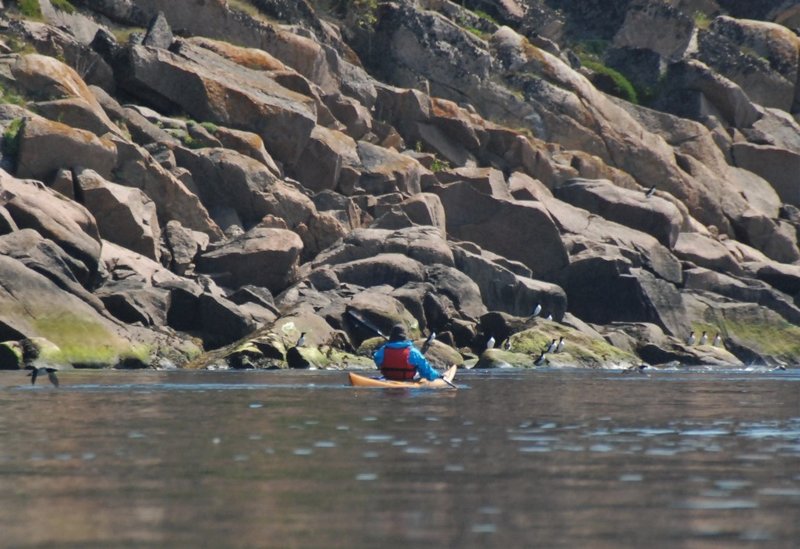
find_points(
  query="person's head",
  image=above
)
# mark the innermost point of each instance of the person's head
(398, 333)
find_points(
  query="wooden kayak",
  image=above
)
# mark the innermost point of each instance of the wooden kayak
(357, 380)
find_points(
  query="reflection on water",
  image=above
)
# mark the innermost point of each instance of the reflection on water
(298, 459)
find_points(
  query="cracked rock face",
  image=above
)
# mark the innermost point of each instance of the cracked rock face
(232, 181)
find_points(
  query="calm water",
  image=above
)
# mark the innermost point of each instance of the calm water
(298, 459)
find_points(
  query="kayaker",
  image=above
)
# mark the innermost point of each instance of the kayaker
(400, 360)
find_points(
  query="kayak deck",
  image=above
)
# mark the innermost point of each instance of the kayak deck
(357, 380)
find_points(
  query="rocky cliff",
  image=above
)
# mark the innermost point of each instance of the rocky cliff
(200, 182)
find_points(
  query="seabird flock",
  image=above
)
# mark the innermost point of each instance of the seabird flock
(690, 339)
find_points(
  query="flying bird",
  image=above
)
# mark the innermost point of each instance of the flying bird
(51, 374)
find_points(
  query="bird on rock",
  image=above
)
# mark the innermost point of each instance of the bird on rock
(301, 340)
(537, 310)
(539, 361)
(650, 192)
(560, 346)
(703, 338)
(690, 339)
(490, 342)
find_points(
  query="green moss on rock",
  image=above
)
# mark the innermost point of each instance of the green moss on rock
(85, 343)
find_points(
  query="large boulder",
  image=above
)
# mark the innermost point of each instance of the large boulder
(226, 178)
(222, 92)
(385, 170)
(76, 113)
(458, 288)
(321, 162)
(242, 191)
(775, 238)
(46, 146)
(124, 215)
(650, 214)
(785, 278)
(775, 164)
(670, 31)
(423, 244)
(602, 290)
(497, 225)
(742, 290)
(45, 257)
(137, 168)
(392, 269)
(762, 57)
(316, 61)
(506, 291)
(425, 209)
(247, 143)
(487, 180)
(696, 91)
(706, 252)
(587, 234)
(142, 131)
(262, 257)
(183, 246)
(32, 305)
(71, 226)
(48, 78)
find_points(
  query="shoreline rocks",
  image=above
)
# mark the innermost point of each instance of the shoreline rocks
(203, 200)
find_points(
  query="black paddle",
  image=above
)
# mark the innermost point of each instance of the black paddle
(366, 323)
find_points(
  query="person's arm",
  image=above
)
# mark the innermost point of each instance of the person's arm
(421, 364)
(377, 356)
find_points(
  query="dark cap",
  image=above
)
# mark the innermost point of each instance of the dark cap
(398, 333)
